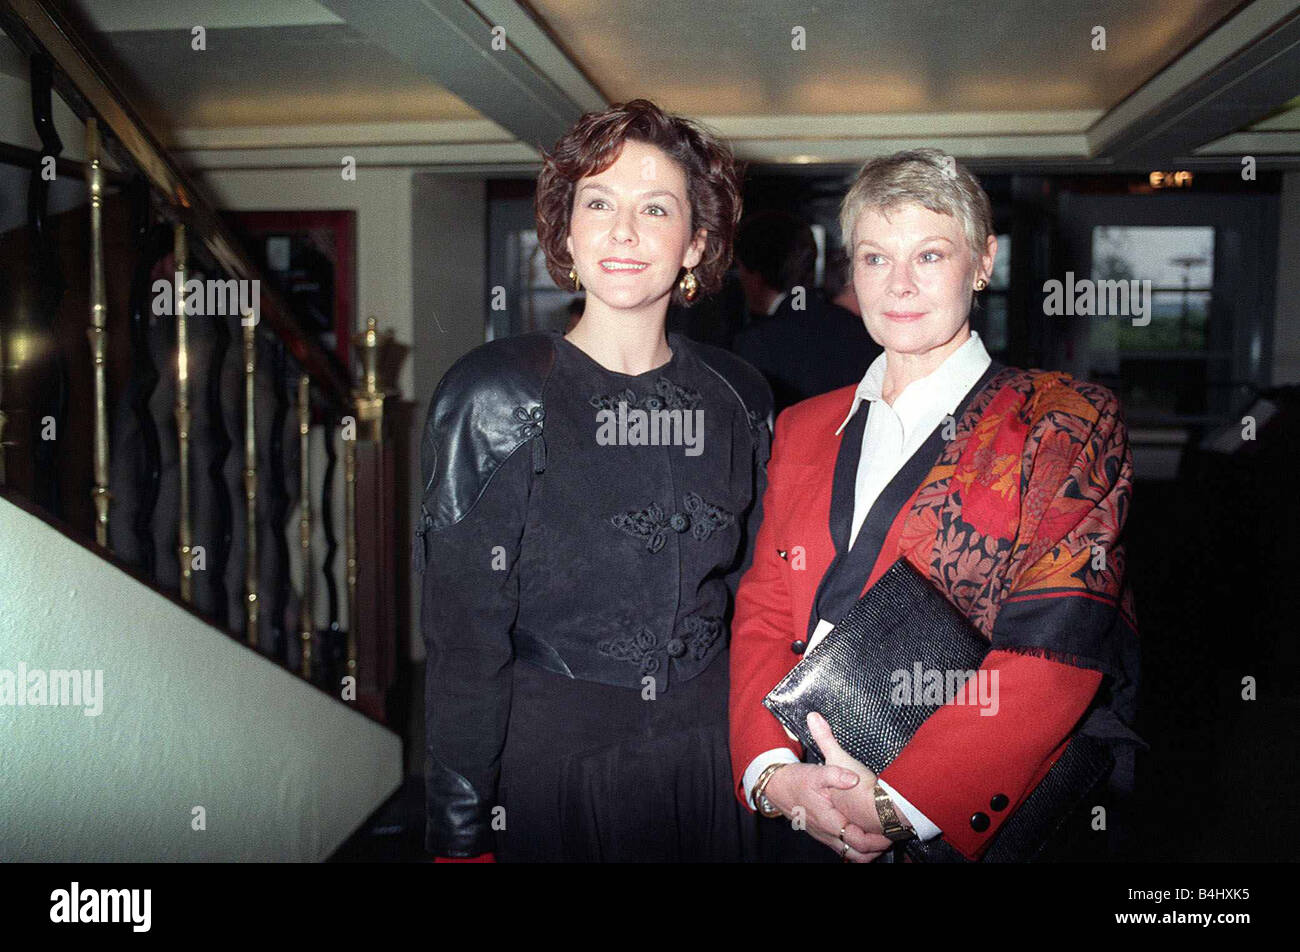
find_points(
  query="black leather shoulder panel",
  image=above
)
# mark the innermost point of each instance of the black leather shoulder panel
(745, 382)
(487, 406)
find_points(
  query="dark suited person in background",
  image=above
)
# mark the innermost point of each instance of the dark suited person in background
(804, 340)
(714, 318)
(775, 252)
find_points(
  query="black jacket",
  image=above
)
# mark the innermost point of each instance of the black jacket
(807, 352)
(546, 537)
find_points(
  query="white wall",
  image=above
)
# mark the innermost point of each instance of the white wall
(189, 718)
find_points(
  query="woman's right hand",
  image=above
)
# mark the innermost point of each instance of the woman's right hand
(806, 788)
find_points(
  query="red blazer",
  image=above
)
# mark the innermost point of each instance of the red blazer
(960, 765)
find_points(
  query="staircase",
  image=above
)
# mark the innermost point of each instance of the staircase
(202, 749)
(174, 686)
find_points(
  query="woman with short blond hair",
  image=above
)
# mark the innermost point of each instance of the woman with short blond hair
(1008, 489)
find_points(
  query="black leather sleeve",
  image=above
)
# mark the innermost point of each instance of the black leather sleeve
(470, 599)
(482, 442)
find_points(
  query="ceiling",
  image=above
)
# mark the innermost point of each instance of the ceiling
(734, 57)
(276, 76)
(432, 83)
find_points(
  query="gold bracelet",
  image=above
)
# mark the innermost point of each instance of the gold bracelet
(891, 824)
(764, 805)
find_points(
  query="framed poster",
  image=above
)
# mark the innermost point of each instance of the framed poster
(310, 258)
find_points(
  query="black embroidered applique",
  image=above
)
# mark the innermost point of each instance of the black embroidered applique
(698, 633)
(674, 396)
(610, 401)
(649, 523)
(530, 422)
(653, 525)
(705, 517)
(667, 396)
(641, 650)
(701, 632)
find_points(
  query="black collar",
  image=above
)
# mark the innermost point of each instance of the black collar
(842, 585)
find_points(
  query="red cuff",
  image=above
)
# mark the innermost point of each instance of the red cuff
(968, 771)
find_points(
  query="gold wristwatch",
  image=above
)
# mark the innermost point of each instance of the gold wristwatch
(890, 823)
(761, 801)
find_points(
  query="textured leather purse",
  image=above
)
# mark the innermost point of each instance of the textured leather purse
(860, 678)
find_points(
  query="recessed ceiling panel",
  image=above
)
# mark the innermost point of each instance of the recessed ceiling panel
(271, 76)
(731, 57)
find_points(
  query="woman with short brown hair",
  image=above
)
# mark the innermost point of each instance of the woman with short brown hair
(586, 513)
(595, 142)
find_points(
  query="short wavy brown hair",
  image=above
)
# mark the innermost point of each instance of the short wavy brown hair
(594, 144)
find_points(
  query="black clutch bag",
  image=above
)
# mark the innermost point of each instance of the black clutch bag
(862, 677)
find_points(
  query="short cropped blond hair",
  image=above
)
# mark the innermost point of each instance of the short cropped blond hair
(926, 177)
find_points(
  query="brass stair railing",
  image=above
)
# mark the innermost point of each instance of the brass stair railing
(171, 219)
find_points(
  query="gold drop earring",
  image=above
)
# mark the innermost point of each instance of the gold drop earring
(573, 276)
(689, 285)
(981, 284)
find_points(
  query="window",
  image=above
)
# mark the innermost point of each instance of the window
(1169, 365)
(1179, 263)
(991, 320)
(527, 298)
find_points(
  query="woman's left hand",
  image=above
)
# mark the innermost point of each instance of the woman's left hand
(857, 803)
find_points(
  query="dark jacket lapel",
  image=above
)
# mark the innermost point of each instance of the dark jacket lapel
(841, 587)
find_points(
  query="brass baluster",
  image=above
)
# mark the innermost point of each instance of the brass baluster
(304, 521)
(368, 402)
(97, 331)
(350, 543)
(251, 604)
(182, 411)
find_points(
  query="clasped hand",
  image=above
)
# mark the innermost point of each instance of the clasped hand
(835, 796)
